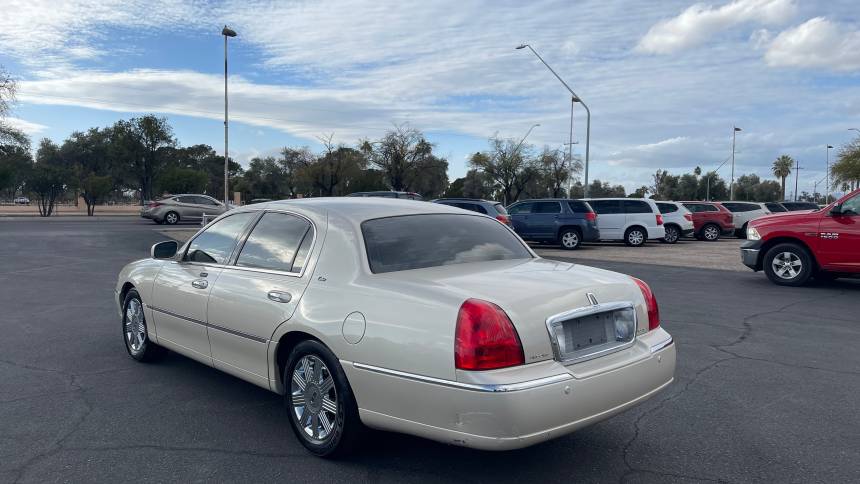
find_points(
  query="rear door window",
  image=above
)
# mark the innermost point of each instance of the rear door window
(274, 242)
(546, 207)
(636, 206)
(474, 207)
(740, 207)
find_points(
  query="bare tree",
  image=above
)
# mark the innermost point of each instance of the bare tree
(399, 154)
(508, 164)
(557, 170)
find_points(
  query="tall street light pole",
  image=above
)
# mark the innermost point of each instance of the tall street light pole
(735, 130)
(573, 99)
(226, 32)
(827, 196)
(796, 177)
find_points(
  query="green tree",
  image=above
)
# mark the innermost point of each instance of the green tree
(326, 175)
(95, 189)
(15, 160)
(88, 156)
(143, 145)
(846, 170)
(47, 180)
(598, 189)
(782, 169)
(183, 180)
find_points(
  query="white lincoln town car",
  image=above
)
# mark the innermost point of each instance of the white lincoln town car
(399, 315)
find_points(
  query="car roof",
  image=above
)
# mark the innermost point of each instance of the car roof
(357, 208)
(463, 199)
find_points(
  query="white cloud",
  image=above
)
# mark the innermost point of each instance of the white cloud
(700, 22)
(27, 127)
(818, 42)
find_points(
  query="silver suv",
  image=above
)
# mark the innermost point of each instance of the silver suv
(187, 207)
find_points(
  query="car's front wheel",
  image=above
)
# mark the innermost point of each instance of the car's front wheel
(788, 265)
(135, 332)
(635, 237)
(570, 239)
(322, 408)
(672, 235)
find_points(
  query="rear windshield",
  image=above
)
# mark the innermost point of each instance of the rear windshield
(431, 240)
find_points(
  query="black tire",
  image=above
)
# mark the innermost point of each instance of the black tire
(157, 222)
(135, 333)
(570, 239)
(347, 426)
(794, 265)
(171, 218)
(710, 233)
(673, 234)
(635, 236)
(741, 233)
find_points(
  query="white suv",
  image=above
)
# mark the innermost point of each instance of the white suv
(633, 220)
(677, 220)
(743, 213)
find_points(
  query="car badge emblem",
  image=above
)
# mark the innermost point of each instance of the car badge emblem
(592, 299)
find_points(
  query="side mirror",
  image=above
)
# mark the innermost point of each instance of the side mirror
(836, 210)
(164, 250)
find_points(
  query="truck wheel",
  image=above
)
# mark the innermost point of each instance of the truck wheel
(788, 265)
(570, 239)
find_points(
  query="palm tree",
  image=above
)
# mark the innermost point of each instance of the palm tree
(782, 169)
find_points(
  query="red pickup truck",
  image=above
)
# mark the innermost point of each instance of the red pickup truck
(710, 220)
(791, 247)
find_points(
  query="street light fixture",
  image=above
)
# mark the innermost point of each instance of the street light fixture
(573, 99)
(226, 32)
(854, 129)
(735, 130)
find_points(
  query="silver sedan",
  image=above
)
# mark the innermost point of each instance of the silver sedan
(184, 207)
(399, 315)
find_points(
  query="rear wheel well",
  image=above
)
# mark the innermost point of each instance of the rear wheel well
(286, 345)
(784, 240)
(568, 227)
(636, 226)
(672, 224)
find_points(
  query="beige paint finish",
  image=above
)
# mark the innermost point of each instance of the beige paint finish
(401, 368)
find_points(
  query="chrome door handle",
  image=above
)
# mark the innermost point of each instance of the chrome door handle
(200, 283)
(279, 296)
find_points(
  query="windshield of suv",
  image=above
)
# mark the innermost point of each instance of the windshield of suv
(431, 240)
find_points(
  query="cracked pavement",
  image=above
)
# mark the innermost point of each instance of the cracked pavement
(766, 388)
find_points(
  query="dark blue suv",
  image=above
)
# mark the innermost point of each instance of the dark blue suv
(559, 220)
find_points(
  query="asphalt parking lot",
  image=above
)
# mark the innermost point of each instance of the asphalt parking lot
(766, 388)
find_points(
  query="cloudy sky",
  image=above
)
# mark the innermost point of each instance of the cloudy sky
(665, 81)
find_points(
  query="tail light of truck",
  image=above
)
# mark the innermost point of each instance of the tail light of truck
(590, 216)
(659, 219)
(688, 216)
(503, 219)
(650, 304)
(485, 338)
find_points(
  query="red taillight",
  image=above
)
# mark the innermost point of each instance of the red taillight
(154, 204)
(659, 219)
(485, 338)
(688, 216)
(590, 216)
(503, 219)
(650, 303)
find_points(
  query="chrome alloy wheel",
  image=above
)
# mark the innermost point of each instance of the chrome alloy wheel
(135, 326)
(787, 265)
(711, 233)
(636, 237)
(314, 398)
(171, 218)
(570, 239)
